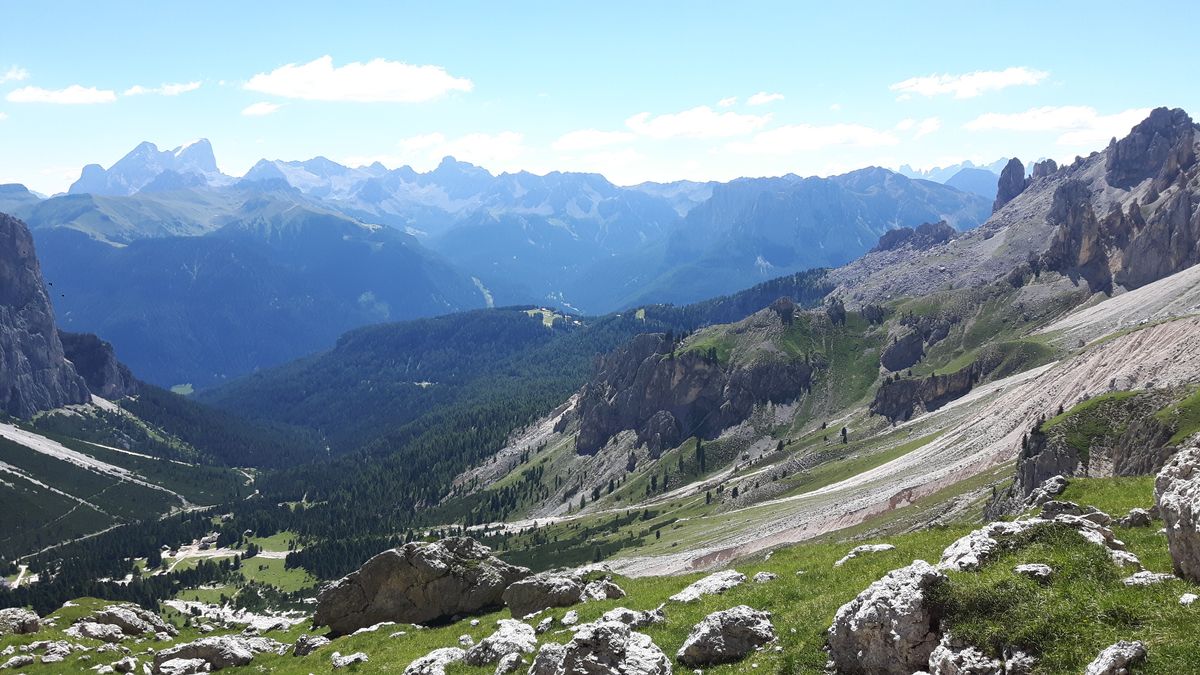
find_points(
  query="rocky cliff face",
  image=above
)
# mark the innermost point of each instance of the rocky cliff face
(34, 373)
(668, 397)
(95, 360)
(898, 400)
(1012, 183)
(1159, 147)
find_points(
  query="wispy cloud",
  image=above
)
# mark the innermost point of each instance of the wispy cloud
(727, 102)
(590, 139)
(763, 98)
(921, 128)
(72, 95)
(699, 122)
(378, 80)
(260, 109)
(3, 116)
(14, 74)
(969, 85)
(165, 90)
(1080, 125)
(795, 138)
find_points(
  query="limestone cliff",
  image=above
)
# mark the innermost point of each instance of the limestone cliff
(95, 360)
(34, 373)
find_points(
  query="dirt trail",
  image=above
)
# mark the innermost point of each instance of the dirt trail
(977, 434)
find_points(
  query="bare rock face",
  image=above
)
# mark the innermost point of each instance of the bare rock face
(713, 584)
(18, 621)
(602, 648)
(1012, 183)
(417, 583)
(105, 632)
(133, 620)
(511, 637)
(34, 373)
(1177, 492)
(921, 238)
(183, 667)
(225, 651)
(726, 636)
(635, 618)
(646, 387)
(435, 662)
(307, 644)
(903, 351)
(1115, 660)
(549, 657)
(1158, 147)
(95, 360)
(974, 550)
(890, 628)
(861, 550)
(1078, 246)
(541, 591)
(1043, 169)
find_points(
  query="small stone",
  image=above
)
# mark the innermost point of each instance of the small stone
(1035, 571)
(1146, 578)
(1115, 660)
(340, 661)
(764, 577)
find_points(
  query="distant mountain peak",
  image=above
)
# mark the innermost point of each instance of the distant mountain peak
(142, 165)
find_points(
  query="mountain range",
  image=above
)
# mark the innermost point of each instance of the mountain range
(315, 248)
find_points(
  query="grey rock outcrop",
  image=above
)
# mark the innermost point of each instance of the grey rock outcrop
(509, 663)
(183, 667)
(905, 350)
(133, 620)
(1012, 183)
(635, 618)
(1135, 518)
(307, 644)
(726, 636)
(96, 361)
(549, 657)
(601, 589)
(953, 657)
(860, 550)
(511, 637)
(417, 583)
(1035, 571)
(224, 651)
(435, 662)
(18, 621)
(981, 546)
(1147, 578)
(1158, 147)
(339, 660)
(105, 632)
(1043, 169)
(1116, 659)
(541, 591)
(607, 647)
(18, 661)
(34, 372)
(890, 628)
(713, 584)
(1177, 493)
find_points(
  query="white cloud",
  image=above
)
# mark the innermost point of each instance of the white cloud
(699, 122)
(260, 109)
(3, 116)
(835, 107)
(762, 98)
(727, 101)
(72, 95)
(927, 126)
(590, 139)
(374, 81)
(969, 85)
(1081, 125)
(165, 90)
(795, 138)
(14, 74)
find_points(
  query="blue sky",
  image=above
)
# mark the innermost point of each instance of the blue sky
(637, 91)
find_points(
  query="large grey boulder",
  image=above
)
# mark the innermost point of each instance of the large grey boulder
(1177, 492)
(890, 628)
(183, 667)
(435, 662)
(18, 621)
(307, 644)
(602, 648)
(133, 620)
(224, 651)
(712, 584)
(549, 658)
(417, 583)
(542, 591)
(105, 632)
(511, 637)
(635, 618)
(726, 636)
(18, 661)
(1116, 659)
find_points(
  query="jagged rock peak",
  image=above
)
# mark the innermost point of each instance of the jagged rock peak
(1158, 147)
(1012, 183)
(34, 373)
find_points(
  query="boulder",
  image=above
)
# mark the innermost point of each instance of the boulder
(18, 661)
(1177, 492)
(635, 618)
(1116, 659)
(1135, 518)
(608, 647)
(18, 621)
(509, 663)
(307, 644)
(183, 667)
(726, 636)
(953, 657)
(1054, 508)
(105, 632)
(224, 651)
(602, 589)
(865, 548)
(570, 618)
(337, 660)
(511, 637)
(548, 658)
(1036, 571)
(417, 583)
(435, 662)
(541, 591)
(1012, 183)
(1146, 578)
(1188, 598)
(890, 628)
(125, 665)
(764, 577)
(712, 584)
(1047, 490)
(133, 620)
